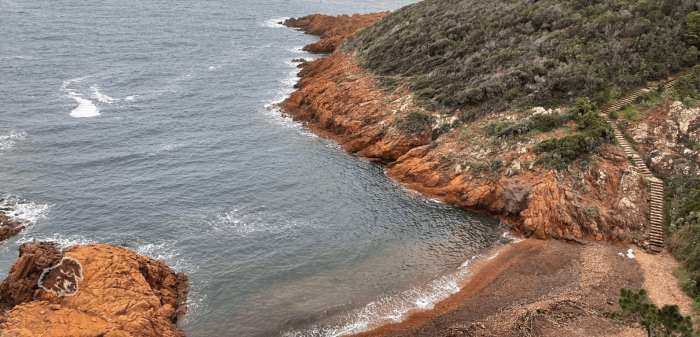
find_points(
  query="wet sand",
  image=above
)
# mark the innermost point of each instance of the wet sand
(535, 288)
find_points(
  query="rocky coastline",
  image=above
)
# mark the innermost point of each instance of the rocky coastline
(90, 290)
(338, 99)
(9, 226)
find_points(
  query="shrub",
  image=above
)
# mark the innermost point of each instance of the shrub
(539, 122)
(687, 87)
(594, 131)
(516, 54)
(416, 122)
(692, 23)
(658, 322)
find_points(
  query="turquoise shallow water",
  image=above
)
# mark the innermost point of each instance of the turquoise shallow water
(149, 125)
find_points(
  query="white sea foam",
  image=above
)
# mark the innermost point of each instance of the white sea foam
(85, 107)
(391, 309)
(396, 308)
(259, 222)
(27, 211)
(64, 241)
(8, 141)
(296, 50)
(96, 94)
(166, 148)
(274, 23)
(131, 98)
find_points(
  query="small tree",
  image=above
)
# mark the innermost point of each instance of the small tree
(658, 322)
(692, 23)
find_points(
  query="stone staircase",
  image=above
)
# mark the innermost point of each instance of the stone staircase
(656, 230)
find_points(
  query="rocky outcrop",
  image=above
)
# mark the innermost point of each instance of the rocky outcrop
(117, 293)
(333, 30)
(605, 200)
(669, 139)
(9, 226)
(335, 101)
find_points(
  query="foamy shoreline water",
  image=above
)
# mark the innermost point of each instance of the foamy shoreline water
(399, 307)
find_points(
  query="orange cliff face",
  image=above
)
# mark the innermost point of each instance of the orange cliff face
(333, 30)
(108, 291)
(338, 99)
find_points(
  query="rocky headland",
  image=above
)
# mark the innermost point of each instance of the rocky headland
(90, 290)
(459, 163)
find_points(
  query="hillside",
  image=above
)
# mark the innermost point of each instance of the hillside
(505, 54)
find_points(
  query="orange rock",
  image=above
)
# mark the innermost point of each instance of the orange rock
(333, 30)
(339, 100)
(121, 294)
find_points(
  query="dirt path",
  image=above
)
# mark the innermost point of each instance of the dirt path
(662, 287)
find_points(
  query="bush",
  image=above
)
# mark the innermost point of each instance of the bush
(687, 87)
(692, 23)
(594, 131)
(416, 122)
(539, 123)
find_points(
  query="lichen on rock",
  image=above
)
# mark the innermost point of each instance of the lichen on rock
(121, 293)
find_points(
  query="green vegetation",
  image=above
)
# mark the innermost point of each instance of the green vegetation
(682, 217)
(416, 122)
(687, 87)
(666, 321)
(594, 131)
(692, 35)
(539, 122)
(648, 98)
(493, 55)
(629, 112)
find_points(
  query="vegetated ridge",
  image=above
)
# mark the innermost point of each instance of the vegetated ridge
(498, 55)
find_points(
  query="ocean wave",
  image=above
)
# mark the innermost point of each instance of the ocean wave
(65, 241)
(166, 148)
(397, 307)
(8, 141)
(274, 23)
(85, 107)
(23, 210)
(96, 94)
(259, 222)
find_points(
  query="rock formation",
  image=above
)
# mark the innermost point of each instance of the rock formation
(333, 30)
(336, 98)
(9, 227)
(669, 138)
(117, 293)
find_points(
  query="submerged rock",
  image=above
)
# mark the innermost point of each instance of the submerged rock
(93, 290)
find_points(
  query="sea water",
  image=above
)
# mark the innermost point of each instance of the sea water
(151, 125)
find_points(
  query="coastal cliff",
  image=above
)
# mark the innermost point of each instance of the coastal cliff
(603, 198)
(90, 290)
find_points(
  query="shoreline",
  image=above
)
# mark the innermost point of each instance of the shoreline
(482, 271)
(336, 98)
(532, 285)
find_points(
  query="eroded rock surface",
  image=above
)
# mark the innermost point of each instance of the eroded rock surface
(666, 137)
(120, 294)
